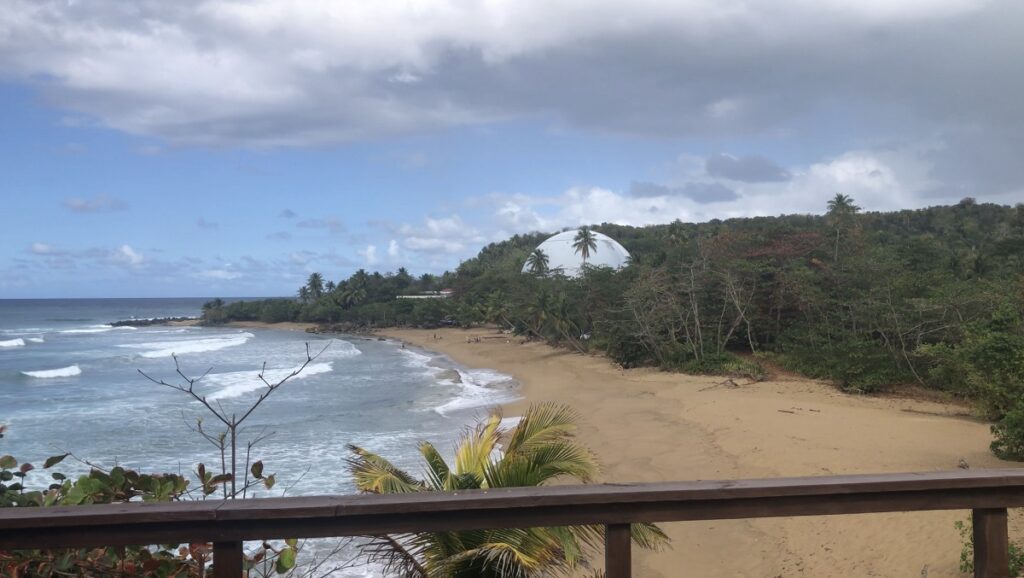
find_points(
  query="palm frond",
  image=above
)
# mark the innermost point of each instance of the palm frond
(397, 559)
(375, 474)
(438, 473)
(649, 537)
(474, 450)
(541, 424)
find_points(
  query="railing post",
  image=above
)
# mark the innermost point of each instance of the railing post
(991, 543)
(227, 559)
(617, 552)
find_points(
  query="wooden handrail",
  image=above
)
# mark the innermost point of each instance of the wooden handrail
(988, 493)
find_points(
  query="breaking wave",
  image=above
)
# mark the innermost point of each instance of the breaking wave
(19, 342)
(95, 329)
(156, 349)
(236, 383)
(70, 371)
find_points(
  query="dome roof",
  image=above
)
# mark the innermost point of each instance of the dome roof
(562, 256)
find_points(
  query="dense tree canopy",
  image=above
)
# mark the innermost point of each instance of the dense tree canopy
(931, 296)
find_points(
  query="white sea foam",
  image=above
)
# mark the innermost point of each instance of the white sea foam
(168, 348)
(34, 339)
(19, 342)
(338, 349)
(96, 329)
(23, 330)
(236, 383)
(480, 388)
(70, 371)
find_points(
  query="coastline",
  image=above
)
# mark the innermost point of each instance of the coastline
(648, 426)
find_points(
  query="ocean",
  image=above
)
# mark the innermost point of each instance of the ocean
(69, 382)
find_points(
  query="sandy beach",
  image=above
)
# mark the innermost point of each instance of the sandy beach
(648, 426)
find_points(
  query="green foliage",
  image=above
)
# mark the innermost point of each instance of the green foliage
(867, 300)
(540, 449)
(725, 364)
(966, 530)
(987, 364)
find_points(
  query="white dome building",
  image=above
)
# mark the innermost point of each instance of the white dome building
(563, 257)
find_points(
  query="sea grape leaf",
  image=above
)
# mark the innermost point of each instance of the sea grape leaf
(285, 560)
(53, 460)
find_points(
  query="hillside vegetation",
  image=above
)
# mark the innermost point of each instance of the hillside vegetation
(933, 297)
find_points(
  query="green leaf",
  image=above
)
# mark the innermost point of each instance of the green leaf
(285, 560)
(8, 462)
(269, 481)
(257, 470)
(292, 542)
(54, 460)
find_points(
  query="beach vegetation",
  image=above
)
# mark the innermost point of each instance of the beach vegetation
(966, 530)
(930, 297)
(540, 449)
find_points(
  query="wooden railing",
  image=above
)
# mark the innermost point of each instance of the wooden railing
(228, 523)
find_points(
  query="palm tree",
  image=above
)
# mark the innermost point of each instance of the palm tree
(541, 448)
(537, 262)
(352, 297)
(304, 294)
(329, 286)
(585, 243)
(315, 283)
(841, 211)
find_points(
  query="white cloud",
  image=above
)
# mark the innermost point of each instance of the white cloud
(394, 251)
(878, 180)
(442, 235)
(97, 204)
(41, 249)
(369, 254)
(219, 274)
(126, 255)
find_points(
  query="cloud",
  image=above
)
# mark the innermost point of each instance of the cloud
(833, 75)
(369, 254)
(287, 214)
(884, 179)
(98, 204)
(686, 67)
(219, 274)
(394, 251)
(332, 224)
(41, 249)
(202, 223)
(126, 255)
(698, 191)
(749, 169)
(441, 235)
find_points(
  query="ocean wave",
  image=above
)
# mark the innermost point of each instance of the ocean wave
(168, 348)
(70, 371)
(35, 339)
(236, 383)
(338, 349)
(19, 342)
(95, 329)
(480, 388)
(24, 330)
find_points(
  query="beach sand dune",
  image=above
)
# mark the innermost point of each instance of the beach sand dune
(649, 426)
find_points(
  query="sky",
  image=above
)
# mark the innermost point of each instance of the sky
(230, 147)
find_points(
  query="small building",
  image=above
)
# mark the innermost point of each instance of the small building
(442, 294)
